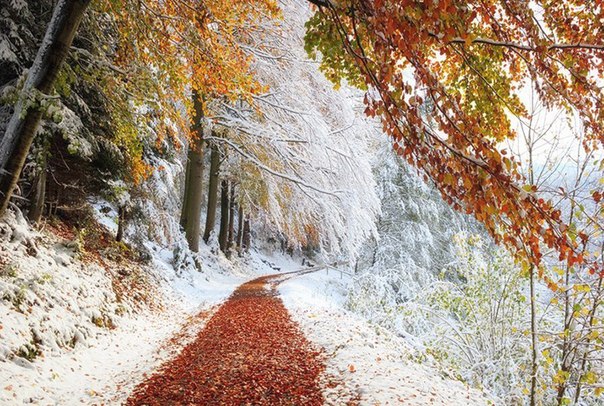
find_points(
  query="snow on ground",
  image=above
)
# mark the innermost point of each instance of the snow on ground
(374, 364)
(74, 331)
(102, 373)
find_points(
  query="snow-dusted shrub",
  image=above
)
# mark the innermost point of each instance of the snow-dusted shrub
(434, 277)
(477, 328)
(471, 319)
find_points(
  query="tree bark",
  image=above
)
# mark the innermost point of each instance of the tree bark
(224, 216)
(183, 211)
(246, 235)
(191, 216)
(240, 228)
(121, 214)
(534, 342)
(22, 127)
(212, 192)
(36, 208)
(231, 221)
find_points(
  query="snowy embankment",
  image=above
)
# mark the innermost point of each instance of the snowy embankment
(77, 327)
(373, 363)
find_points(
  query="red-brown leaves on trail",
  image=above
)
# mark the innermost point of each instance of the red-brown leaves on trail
(250, 352)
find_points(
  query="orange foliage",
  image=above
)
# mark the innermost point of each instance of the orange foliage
(445, 76)
(170, 48)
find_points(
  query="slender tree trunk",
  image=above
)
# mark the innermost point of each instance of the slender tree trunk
(534, 349)
(246, 235)
(212, 192)
(566, 358)
(240, 228)
(183, 212)
(533, 298)
(38, 193)
(191, 216)
(36, 208)
(231, 237)
(590, 325)
(224, 215)
(121, 214)
(22, 127)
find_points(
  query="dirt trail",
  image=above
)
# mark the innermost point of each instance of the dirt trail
(250, 352)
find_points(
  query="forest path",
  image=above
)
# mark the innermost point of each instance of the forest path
(250, 352)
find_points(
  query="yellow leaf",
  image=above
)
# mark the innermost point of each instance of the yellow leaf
(590, 377)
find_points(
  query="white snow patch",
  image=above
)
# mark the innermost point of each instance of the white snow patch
(6, 53)
(103, 373)
(374, 363)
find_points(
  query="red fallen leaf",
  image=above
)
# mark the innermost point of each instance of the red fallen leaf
(351, 368)
(9, 387)
(250, 352)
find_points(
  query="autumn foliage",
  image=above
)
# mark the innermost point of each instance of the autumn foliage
(446, 78)
(169, 49)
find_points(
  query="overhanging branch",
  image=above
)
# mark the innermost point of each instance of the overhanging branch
(255, 161)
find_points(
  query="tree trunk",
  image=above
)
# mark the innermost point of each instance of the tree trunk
(38, 193)
(566, 357)
(191, 216)
(212, 192)
(240, 228)
(590, 324)
(121, 214)
(231, 221)
(534, 342)
(36, 208)
(183, 211)
(246, 235)
(224, 215)
(22, 127)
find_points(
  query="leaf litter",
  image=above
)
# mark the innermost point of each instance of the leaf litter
(250, 352)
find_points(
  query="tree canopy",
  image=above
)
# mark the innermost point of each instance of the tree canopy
(446, 78)
(168, 49)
